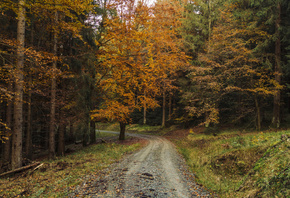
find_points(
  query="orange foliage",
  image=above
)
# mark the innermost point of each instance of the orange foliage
(142, 50)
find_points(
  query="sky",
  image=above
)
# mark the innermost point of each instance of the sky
(150, 2)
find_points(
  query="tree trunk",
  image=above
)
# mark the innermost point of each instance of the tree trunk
(61, 140)
(258, 113)
(122, 131)
(144, 115)
(71, 131)
(278, 71)
(93, 133)
(170, 107)
(7, 145)
(86, 132)
(53, 99)
(145, 110)
(163, 109)
(16, 160)
(28, 146)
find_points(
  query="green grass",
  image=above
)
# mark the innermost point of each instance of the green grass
(144, 128)
(103, 134)
(115, 126)
(136, 128)
(149, 130)
(56, 178)
(246, 161)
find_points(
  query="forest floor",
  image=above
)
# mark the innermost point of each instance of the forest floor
(59, 177)
(157, 170)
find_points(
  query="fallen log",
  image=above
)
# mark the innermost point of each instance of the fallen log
(20, 169)
(37, 167)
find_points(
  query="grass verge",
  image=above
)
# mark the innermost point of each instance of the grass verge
(104, 134)
(57, 178)
(136, 128)
(235, 164)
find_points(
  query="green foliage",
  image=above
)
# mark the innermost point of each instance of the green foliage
(228, 79)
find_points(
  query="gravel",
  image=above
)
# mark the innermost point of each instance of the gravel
(155, 171)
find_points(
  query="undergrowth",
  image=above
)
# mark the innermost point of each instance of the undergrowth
(57, 178)
(235, 164)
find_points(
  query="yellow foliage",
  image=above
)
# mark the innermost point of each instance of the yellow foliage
(142, 50)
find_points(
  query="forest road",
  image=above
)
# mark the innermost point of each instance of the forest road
(157, 170)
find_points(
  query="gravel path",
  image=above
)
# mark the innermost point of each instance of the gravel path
(155, 171)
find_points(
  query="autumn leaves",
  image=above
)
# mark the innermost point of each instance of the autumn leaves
(142, 52)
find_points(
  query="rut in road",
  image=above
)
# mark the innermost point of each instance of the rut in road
(155, 171)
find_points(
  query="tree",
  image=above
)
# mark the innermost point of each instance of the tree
(272, 18)
(53, 96)
(34, 78)
(199, 18)
(167, 53)
(16, 161)
(229, 68)
(138, 57)
(124, 72)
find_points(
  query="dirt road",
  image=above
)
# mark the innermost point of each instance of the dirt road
(155, 171)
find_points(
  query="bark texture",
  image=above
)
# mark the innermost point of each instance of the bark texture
(16, 160)
(53, 99)
(164, 108)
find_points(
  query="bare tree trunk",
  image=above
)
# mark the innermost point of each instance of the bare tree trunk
(122, 131)
(163, 108)
(258, 113)
(278, 72)
(53, 99)
(145, 110)
(28, 146)
(16, 160)
(93, 132)
(7, 145)
(86, 131)
(170, 107)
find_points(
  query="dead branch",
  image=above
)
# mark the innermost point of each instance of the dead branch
(20, 169)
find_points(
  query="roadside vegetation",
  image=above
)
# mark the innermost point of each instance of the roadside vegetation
(137, 128)
(56, 178)
(239, 164)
